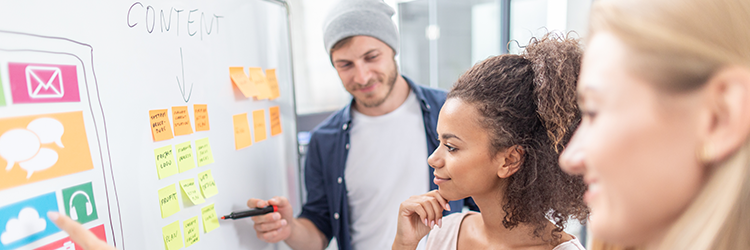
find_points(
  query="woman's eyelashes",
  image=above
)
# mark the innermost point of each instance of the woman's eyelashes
(450, 149)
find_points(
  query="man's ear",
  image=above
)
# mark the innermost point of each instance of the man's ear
(728, 102)
(510, 161)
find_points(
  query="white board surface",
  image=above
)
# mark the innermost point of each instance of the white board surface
(77, 82)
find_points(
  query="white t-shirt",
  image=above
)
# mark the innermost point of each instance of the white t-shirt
(387, 163)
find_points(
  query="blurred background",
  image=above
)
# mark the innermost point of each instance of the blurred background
(440, 39)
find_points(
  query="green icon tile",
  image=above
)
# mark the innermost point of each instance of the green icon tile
(79, 203)
(2, 94)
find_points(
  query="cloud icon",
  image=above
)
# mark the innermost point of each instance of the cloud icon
(27, 224)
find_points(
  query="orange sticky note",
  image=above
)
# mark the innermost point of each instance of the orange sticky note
(181, 121)
(273, 112)
(201, 117)
(259, 125)
(42, 147)
(242, 137)
(273, 83)
(257, 76)
(160, 127)
(242, 82)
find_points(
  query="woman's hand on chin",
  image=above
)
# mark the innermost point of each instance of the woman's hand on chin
(417, 216)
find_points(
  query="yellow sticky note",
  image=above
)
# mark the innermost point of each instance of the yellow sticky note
(160, 127)
(242, 82)
(201, 117)
(273, 83)
(275, 116)
(259, 124)
(168, 201)
(191, 191)
(185, 156)
(210, 220)
(165, 164)
(192, 233)
(172, 236)
(208, 185)
(242, 137)
(259, 79)
(181, 121)
(203, 149)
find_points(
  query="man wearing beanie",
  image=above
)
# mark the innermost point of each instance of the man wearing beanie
(371, 155)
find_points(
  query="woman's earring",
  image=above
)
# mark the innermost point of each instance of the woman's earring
(706, 154)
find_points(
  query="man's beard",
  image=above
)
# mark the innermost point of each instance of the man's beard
(390, 82)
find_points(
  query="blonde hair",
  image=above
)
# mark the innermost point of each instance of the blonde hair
(679, 45)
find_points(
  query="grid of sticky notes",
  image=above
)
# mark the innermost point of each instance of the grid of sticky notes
(255, 83)
(242, 134)
(196, 192)
(162, 129)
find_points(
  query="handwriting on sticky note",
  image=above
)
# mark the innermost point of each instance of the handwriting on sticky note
(273, 83)
(259, 79)
(210, 220)
(185, 156)
(201, 117)
(172, 236)
(259, 124)
(242, 82)
(165, 164)
(242, 138)
(275, 116)
(208, 185)
(203, 149)
(191, 191)
(192, 233)
(168, 201)
(181, 121)
(160, 127)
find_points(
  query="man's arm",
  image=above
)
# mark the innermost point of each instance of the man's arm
(299, 233)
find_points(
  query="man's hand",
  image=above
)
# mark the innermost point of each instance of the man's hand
(276, 226)
(416, 216)
(80, 235)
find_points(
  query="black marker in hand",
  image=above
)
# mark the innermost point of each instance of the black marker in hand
(250, 213)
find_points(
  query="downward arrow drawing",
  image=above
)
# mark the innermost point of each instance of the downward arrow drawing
(183, 90)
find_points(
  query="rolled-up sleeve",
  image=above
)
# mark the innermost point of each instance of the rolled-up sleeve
(316, 209)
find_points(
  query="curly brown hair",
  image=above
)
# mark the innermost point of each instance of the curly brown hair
(529, 100)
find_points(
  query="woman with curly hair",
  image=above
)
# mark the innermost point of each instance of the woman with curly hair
(501, 130)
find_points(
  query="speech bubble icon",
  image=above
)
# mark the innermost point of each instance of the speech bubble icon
(48, 129)
(45, 159)
(18, 145)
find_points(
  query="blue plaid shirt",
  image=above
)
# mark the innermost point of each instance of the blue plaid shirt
(327, 204)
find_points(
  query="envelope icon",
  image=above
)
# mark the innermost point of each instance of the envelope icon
(44, 82)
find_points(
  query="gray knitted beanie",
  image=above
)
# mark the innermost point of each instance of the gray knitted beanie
(360, 17)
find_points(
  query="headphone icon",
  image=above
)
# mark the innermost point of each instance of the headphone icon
(73, 212)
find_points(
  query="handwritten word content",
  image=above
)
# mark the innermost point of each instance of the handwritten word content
(172, 236)
(165, 164)
(192, 233)
(168, 201)
(194, 22)
(201, 117)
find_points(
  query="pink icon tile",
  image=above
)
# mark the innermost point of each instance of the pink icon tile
(43, 83)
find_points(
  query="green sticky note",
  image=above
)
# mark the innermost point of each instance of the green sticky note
(210, 221)
(168, 201)
(172, 236)
(191, 191)
(2, 94)
(185, 156)
(203, 149)
(79, 203)
(208, 185)
(165, 164)
(192, 232)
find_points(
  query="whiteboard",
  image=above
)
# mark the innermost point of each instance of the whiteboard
(78, 81)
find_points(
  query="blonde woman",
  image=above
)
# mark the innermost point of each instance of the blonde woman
(663, 143)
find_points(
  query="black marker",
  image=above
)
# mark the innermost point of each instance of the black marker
(250, 213)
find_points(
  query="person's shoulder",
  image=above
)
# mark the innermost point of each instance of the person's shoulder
(572, 244)
(433, 93)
